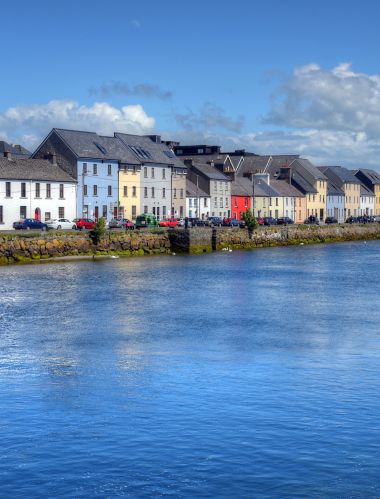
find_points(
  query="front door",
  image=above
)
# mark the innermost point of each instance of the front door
(37, 214)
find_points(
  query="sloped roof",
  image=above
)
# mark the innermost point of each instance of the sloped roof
(32, 169)
(303, 185)
(99, 147)
(262, 189)
(210, 172)
(364, 191)
(309, 169)
(157, 152)
(285, 189)
(242, 186)
(269, 164)
(372, 176)
(343, 174)
(333, 189)
(15, 150)
(193, 191)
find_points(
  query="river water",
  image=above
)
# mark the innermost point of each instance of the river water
(236, 374)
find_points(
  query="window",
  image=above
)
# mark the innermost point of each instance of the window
(141, 153)
(191, 202)
(179, 151)
(85, 190)
(61, 191)
(164, 211)
(95, 169)
(221, 186)
(145, 192)
(152, 174)
(134, 191)
(1, 215)
(104, 211)
(95, 190)
(38, 190)
(200, 151)
(216, 185)
(23, 190)
(276, 201)
(145, 209)
(145, 172)
(125, 193)
(48, 190)
(181, 211)
(215, 202)
(205, 202)
(84, 171)
(152, 192)
(226, 202)
(47, 215)
(174, 193)
(134, 211)
(181, 193)
(235, 202)
(163, 192)
(109, 190)
(163, 173)
(22, 212)
(109, 169)
(246, 202)
(7, 189)
(61, 212)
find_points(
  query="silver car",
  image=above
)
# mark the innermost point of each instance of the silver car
(60, 224)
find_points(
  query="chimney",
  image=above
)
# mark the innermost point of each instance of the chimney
(53, 158)
(285, 174)
(8, 155)
(17, 146)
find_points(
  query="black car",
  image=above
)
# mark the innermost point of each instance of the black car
(331, 220)
(352, 220)
(214, 221)
(312, 220)
(285, 221)
(270, 221)
(196, 222)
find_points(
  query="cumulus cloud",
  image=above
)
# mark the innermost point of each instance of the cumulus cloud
(29, 124)
(210, 117)
(122, 88)
(338, 99)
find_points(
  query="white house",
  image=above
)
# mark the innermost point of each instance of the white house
(34, 188)
(367, 201)
(197, 201)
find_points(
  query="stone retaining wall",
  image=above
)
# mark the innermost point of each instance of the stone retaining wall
(19, 248)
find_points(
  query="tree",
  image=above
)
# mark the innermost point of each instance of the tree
(98, 231)
(250, 221)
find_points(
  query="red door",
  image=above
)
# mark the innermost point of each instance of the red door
(37, 214)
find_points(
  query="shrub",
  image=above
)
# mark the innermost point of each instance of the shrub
(98, 231)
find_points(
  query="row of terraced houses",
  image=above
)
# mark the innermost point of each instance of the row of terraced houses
(74, 174)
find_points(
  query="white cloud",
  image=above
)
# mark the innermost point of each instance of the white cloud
(338, 99)
(29, 124)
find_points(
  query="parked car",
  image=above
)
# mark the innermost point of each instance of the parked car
(30, 224)
(196, 222)
(331, 220)
(60, 224)
(270, 221)
(230, 222)
(312, 220)
(121, 223)
(146, 220)
(376, 218)
(169, 222)
(84, 223)
(260, 220)
(285, 221)
(365, 219)
(351, 220)
(242, 224)
(214, 221)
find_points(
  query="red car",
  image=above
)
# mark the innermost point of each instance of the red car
(260, 221)
(84, 223)
(169, 222)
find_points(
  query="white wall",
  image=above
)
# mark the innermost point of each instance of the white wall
(192, 210)
(11, 205)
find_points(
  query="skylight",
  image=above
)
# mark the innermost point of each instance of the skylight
(141, 153)
(102, 149)
(169, 154)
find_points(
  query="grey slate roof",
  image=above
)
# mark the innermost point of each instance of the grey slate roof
(364, 191)
(372, 176)
(156, 151)
(16, 150)
(285, 189)
(333, 189)
(210, 172)
(32, 169)
(269, 164)
(242, 186)
(262, 189)
(83, 145)
(193, 191)
(309, 169)
(339, 175)
(303, 185)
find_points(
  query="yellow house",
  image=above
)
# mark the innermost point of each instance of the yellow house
(130, 191)
(349, 184)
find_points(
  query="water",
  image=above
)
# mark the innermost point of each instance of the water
(243, 374)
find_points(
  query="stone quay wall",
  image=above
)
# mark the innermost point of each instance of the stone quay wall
(32, 247)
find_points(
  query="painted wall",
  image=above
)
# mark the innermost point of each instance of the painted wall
(240, 204)
(367, 205)
(102, 189)
(316, 203)
(352, 199)
(178, 195)
(220, 192)
(47, 207)
(335, 207)
(156, 186)
(130, 192)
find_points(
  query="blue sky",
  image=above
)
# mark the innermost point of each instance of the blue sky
(276, 76)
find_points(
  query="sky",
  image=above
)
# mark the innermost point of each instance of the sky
(273, 77)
